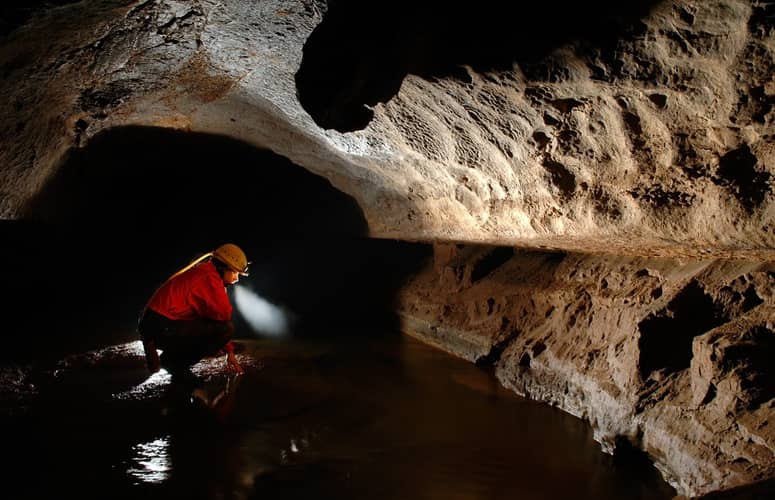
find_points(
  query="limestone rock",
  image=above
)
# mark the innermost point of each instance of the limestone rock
(650, 142)
(674, 358)
(653, 143)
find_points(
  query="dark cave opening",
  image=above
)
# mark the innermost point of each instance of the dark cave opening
(737, 170)
(136, 204)
(360, 53)
(666, 337)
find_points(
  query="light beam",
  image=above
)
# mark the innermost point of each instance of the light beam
(262, 316)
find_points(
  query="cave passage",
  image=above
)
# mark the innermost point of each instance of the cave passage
(344, 408)
(360, 53)
(136, 204)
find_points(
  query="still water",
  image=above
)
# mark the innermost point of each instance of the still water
(378, 418)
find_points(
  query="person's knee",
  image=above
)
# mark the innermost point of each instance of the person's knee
(149, 327)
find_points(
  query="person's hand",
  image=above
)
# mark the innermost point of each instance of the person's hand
(233, 365)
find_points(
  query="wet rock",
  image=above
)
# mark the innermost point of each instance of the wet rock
(642, 132)
(673, 358)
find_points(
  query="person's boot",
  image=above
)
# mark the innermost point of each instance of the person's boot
(151, 355)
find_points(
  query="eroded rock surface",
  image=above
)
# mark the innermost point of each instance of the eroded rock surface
(672, 357)
(657, 142)
(653, 148)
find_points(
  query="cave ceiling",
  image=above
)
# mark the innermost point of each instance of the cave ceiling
(643, 129)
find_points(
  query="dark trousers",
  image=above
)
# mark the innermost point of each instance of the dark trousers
(184, 342)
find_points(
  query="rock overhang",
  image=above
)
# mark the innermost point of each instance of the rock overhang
(656, 143)
(624, 154)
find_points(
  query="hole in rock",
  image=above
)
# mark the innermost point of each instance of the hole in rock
(360, 53)
(666, 337)
(738, 170)
(490, 261)
(710, 395)
(629, 460)
(749, 360)
(137, 204)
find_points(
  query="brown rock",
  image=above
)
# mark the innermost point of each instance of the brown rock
(655, 352)
(650, 152)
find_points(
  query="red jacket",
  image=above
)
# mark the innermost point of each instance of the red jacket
(197, 293)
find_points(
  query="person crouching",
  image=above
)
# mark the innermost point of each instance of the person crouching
(189, 316)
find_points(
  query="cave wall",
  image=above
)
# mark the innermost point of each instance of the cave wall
(652, 147)
(672, 357)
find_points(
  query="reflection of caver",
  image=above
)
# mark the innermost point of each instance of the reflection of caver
(189, 316)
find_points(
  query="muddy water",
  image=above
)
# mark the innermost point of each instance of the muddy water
(384, 418)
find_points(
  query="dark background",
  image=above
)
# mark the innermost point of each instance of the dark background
(137, 204)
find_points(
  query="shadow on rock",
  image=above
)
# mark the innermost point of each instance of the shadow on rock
(360, 53)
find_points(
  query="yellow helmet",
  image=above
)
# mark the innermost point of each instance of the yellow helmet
(232, 256)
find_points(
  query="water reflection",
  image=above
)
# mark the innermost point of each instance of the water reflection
(392, 418)
(375, 417)
(151, 461)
